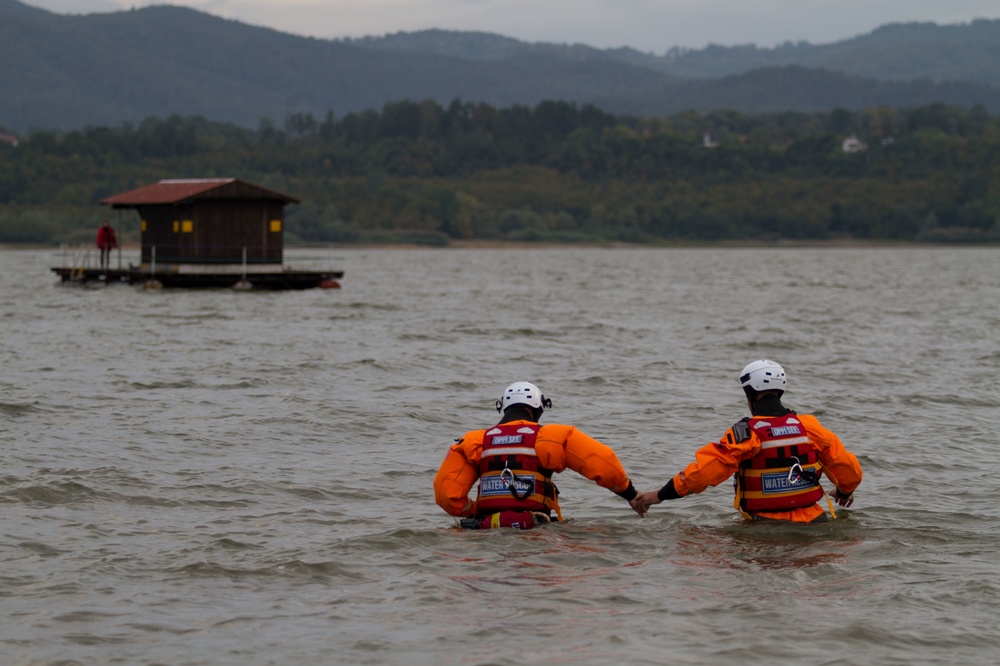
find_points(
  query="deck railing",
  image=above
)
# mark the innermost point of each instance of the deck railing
(87, 257)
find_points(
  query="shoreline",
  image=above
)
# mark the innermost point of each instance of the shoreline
(617, 245)
(608, 245)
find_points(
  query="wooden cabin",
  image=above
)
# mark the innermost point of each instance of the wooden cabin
(203, 233)
(208, 221)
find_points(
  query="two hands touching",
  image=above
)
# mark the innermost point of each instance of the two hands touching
(641, 503)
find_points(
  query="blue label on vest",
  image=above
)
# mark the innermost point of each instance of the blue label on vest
(778, 483)
(506, 439)
(782, 431)
(491, 486)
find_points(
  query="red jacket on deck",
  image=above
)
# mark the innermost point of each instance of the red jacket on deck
(106, 238)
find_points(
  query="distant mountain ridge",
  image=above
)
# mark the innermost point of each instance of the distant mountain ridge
(64, 72)
(895, 52)
(13, 8)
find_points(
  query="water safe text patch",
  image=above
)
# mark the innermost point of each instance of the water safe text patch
(778, 483)
(494, 485)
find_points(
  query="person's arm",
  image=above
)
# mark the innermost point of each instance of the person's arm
(455, 479)
(839, 465)
(713, 464)
(562, 446)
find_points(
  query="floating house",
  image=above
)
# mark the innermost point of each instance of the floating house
(209, 232)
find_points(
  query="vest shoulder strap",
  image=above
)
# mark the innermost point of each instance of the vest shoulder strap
(741, 430)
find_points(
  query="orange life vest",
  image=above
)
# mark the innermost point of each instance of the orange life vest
(784, 475)
(510, 477)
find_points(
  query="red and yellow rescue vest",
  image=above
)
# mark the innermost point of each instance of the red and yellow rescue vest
(510, 477)
(763, 483)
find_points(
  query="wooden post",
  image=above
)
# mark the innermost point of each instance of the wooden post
(120, 239)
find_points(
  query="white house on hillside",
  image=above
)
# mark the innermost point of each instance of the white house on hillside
(853, 144)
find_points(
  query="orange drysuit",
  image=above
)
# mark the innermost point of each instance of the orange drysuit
(718, 461)
(557, 446)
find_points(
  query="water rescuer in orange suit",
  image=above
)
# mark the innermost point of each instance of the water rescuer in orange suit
(513, 463)
(776, 455)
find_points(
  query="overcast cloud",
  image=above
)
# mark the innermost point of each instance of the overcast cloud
(647, 25)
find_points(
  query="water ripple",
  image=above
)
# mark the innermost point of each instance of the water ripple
(249, 480)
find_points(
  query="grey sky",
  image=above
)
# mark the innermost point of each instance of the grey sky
(648, 25)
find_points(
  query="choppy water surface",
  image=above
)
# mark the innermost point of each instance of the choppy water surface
(245, 478)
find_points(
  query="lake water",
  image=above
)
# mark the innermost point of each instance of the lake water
(221, 477)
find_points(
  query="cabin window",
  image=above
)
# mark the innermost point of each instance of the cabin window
(142, 226)
(187, 226)
(177, 226)
(275, 226)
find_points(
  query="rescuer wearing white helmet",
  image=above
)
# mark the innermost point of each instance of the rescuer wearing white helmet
(512, 465)
(776, 457)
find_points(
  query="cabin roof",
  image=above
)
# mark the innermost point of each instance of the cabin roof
(186, 190)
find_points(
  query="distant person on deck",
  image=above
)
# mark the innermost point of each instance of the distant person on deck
(513, 463)
(776, 455)
(106, 242)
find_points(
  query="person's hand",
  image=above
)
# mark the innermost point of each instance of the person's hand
(643, 501)
(842, 499)
(637, 506)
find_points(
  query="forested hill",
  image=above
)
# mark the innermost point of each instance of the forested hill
(66, 72)
(419, 172)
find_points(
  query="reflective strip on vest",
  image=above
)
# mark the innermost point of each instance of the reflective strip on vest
(774, 443)
(508, 451)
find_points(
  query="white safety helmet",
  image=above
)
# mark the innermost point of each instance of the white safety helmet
(763, 375)
(523, 393)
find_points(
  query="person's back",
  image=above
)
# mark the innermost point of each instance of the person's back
(775, 455)
(512, 465)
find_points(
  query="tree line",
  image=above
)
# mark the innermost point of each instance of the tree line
(556, 172)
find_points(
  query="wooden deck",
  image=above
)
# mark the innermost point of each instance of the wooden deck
(274, 280)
